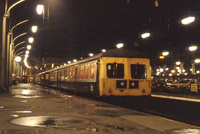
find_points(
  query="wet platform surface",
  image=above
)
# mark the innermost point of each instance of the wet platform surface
(32, 109)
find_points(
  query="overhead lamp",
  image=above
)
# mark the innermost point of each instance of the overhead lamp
(40, 9)
(197, 60)
(26, 55)
(165, 53)
(74, 60)
(145, 35)
(178, 63)
(69, 62)
(103, 50)
(30, 39)
(192, 48)
(34, 29)
(29, 47)
(120, 45)
(18, 59)
(27, 52)
(188, 20)
(91, 54)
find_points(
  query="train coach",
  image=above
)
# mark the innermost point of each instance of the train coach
(117, 72)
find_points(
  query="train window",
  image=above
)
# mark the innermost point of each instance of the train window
(87, 71)
(73, 73)
(67, 74)
(92, 71)
(46, 76)
(62, 75)
(82, 72)
(55, 78)
(115, 70)
(138, 71)
(78, 72)
(51, 76)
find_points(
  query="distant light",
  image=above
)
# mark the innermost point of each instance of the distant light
(18, 59)
(161, 57)
(52, 65)
(193, 48)
(178, 63)
(29, 47)
(188, 20)
(103, 50)
(197, 60)
(166, 69)
(185, 73)
(74, 60)
(145, 35)
(91, 54)
(170, 74)
(183, 70)
(197, 72)
(161, 69)
(165, 53)
(27, 52)
(69, 62)
(30, 39)
(40, 9)
(65, 64)
(26, 55)
(34, 29)
(172, 71)
(120, 45)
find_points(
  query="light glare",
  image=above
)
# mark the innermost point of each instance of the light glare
(120, 45)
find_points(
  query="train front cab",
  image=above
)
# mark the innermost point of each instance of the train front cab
(124, 77)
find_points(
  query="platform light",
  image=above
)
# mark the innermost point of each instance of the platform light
(103, 50)
(197, 60)
(30, 39)
(27, 52)
(74, 60)
(40, 9)
(34, 29)
(161, 57)
(145, 35)
(192, 48)
(188, 20)
(170, 74)
(18, 59)
(91, 54)
(69, 62)
(28, 47)
(172, 71)
(120, 45)
(165, 53)
(161, 69)
(185, 73)
(26, 55)
(178, 63)
(166, 69)
(65, 64)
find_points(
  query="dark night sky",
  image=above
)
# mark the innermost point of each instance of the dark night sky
(77, 27)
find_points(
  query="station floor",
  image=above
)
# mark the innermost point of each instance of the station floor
(32, 109)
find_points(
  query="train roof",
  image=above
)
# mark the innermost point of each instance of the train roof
(109, 53)
(123, 53)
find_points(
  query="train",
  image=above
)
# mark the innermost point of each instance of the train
(116, 72)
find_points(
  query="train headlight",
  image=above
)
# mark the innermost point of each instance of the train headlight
(121, 83)
(133, 84)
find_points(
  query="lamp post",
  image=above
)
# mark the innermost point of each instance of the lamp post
(3, 46)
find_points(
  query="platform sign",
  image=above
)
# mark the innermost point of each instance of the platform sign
(194, 87)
